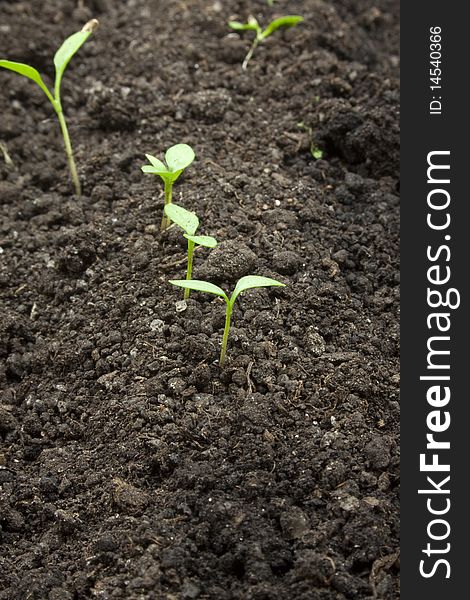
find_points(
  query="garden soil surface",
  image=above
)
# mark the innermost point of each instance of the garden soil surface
(131, 465)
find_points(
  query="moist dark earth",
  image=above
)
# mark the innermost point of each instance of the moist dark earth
(131, 465)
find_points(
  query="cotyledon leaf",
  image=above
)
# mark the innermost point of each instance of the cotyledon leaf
(27, 71)
(250, 26)
(179, 157)
(253, 281)
(159, 166)
(69, 47)
(185, 219)
(200, 286)
(202, 240)
(287, 21)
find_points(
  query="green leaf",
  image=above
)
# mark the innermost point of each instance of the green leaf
(69, 48)
(154, 171)
(287, 21)
(202, 240)
(179, 157)
(185, 219)
(159, 166)
(200, 286)
(27, 71)
(316, 153)
(252, 25)
(253, 281)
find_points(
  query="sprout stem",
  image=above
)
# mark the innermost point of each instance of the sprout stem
(6, 156)
(223, 350)
(68, 149)
(250, 53)
(189, 272)
(168, 194)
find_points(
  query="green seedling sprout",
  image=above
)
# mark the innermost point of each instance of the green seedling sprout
(262, 34)
(61, 60)
(189, 223)
(245, 283)
(315, 151)
(177, 158)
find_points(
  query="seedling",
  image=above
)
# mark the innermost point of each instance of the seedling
(245, 283)
(189, 223)
(315, 151)
(177, 158)
(61, 60)
(262, 34)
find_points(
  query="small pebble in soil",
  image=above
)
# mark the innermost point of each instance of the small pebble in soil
(314, 342)
(180, 306)
(348, 502)
(157, 325)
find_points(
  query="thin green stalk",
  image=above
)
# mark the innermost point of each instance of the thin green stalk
(250, 53)
(223, 350)
(68, 149)
(189, 272)
(168, 194)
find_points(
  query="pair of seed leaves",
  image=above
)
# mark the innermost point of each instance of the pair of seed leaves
(189, 223)
(262, 34)
(61, 60)
(177, 158)
(245, 283)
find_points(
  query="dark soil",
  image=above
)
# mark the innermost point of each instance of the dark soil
(131, 465)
